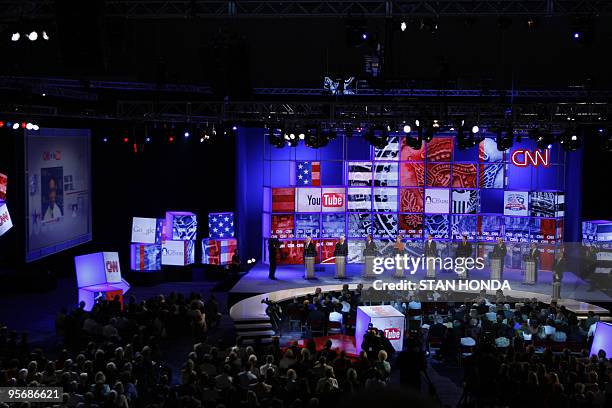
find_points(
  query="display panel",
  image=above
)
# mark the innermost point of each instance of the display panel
(437, 189)
(58, 180)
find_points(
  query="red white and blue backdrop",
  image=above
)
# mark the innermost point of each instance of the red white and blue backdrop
(351, 188)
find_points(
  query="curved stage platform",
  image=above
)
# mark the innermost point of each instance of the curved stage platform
(250, 317)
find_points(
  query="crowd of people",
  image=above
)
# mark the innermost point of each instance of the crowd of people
(111, 356)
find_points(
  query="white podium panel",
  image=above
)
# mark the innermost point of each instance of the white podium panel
(385, 318)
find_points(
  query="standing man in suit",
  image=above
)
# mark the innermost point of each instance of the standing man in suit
(341, 247)
(430, 247)
(464, 250)
(309, 247)
(558, 268)
(370, 247)
(273, 245)
(534, 254)
(499, 252)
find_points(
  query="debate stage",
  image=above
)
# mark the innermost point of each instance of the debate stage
(256, 281)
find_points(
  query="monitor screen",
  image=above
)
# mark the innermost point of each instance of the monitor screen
(58, 189)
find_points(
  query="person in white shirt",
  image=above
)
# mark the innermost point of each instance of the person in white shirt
(53, 211)
(335, 316)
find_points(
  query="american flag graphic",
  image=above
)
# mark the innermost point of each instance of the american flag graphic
(221, 225)
(308, 173)
(283, 199)
(218, 251)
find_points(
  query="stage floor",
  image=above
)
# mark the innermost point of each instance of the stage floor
(291, 277)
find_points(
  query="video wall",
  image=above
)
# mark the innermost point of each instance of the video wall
(350, 188)
(58, 188)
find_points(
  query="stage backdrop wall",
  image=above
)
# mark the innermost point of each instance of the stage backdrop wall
(350, 188)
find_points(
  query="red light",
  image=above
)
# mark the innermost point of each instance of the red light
(23, 125)
(125, 140)
(171, 139)
(1, 124)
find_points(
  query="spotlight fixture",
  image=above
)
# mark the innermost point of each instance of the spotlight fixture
(125, 140)
(275, 137)
(377, 136)
(105, 139)
(544, 139)
(33, 36)
(403, 26)
(504, 138)
(45, 36)
(407, 129)
(15, 37)
(15, 126)
(571, 139)
(148, 139)
(186, 134)
(431, 128)
(170, 139)
(415, 143)
(475, 129)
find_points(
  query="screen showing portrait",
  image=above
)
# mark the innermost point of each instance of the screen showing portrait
(58, 188)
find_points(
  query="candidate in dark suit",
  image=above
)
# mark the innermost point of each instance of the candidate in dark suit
(559, 267)
(533, 254)
(499, 251)
(464, 249)
(273, 246)
(309, 247)
(341, 247)
(430, 247)
(370, 247)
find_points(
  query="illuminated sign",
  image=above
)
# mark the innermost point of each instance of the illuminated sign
(524, 157)
(393, 334)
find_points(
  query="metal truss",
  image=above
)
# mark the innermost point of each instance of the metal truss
(309, 8)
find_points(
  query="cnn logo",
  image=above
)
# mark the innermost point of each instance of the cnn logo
(112, 266)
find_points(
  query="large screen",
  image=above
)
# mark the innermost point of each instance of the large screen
(58, 188)
(351, 188)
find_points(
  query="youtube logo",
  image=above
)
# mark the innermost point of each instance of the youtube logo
(393, 334)
(333, 200)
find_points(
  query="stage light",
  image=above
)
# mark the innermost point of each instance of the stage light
(475, 129)
(407, 129)
(29, 126)
(292, 136)
(15, 125)
(403, 26)
(147, 139)
(105, 140)
(234, 128)
(171, 139)
(364, 36)
(15, 37)
(33, 36)
(532, 23)
(1, 124)
(576, 35)
(574, 137)
(253, 260)
(504, 139)
(35, 127)
(23, 125)
(186, 134)
(45, 36)
(302, 136)
(44, 94)
(125, 140)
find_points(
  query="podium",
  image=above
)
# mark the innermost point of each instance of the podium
(556, 291)
(430, 267)
(368, 266)
(99, 277)
(463, 275)
(340, 267)
(496, 269)
(531, 273)
(309, 262)
(399, 271)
